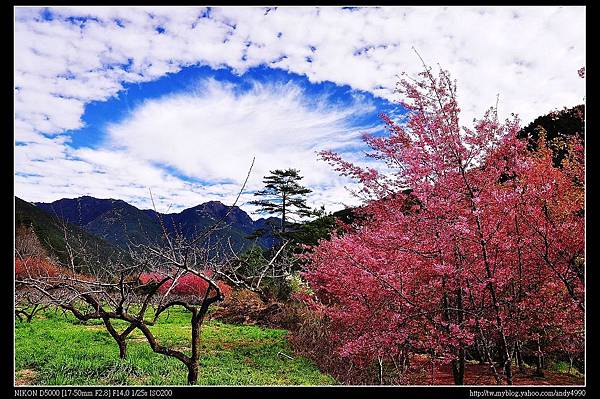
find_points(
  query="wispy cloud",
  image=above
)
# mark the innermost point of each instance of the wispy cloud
(209, 133)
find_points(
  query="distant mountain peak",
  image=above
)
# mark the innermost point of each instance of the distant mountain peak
(118, 221)
(214, 205)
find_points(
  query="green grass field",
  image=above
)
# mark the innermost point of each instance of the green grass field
(55, 349)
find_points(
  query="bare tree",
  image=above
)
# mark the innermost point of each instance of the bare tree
(138, 286)
(238, 272)
(27, 243)
(29, 303)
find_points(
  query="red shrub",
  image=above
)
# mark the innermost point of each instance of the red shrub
(32, 267)
(188, 284)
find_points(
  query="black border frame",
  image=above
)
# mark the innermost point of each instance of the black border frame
(7, 168)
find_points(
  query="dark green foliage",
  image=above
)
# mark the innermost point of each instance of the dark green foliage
(300, 237)
(277, 289)
(347, 216)
(310, 232)
(557, 126)
(283, 195)
(252, 261)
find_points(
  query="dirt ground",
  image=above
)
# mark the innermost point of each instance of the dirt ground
(481, 374)
(25, 377)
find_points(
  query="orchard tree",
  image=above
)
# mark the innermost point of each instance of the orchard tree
(461, 245)
(138, 287)
(154, 279)
(283, 195)
(29, 302)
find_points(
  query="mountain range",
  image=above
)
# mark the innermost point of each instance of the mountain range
(52, 233)
(119, 223)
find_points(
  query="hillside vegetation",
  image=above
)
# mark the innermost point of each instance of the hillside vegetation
(50, 232)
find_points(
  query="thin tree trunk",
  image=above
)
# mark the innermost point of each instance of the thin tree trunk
(539, 364)
(503, 342)
(507, 359)
(121, 341)
(197, 319)
(458, 364)
(519, 355)
(193, 364)
(122, 349)
(490, 286)
(570, 363)
(458, 367)
(120, 338)
(432, 367)
(480, 351)
(461, 350)
(283, 214)
(484, 346)
(488, 355)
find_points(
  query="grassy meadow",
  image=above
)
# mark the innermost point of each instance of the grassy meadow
(57, 349)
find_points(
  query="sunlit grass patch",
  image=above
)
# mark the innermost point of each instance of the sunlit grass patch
(59, 350)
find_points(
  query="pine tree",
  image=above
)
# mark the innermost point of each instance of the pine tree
(283, 195)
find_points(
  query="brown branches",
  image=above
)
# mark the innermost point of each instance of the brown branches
(124, 287)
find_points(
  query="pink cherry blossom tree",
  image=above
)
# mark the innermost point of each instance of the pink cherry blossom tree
(467, 237)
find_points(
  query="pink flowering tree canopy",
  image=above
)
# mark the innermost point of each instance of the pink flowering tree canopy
(472, 243)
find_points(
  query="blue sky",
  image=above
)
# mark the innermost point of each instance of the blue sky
(115, 101)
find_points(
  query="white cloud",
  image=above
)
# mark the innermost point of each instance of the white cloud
(211, 134)
(214, 133)
(528, 55)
